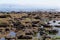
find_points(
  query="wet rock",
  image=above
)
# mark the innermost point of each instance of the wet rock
(7, 29)
(37, 17)
(30, 33)
(34, 25)
(42, 33)
(47, 38)
(24, 37)
(4, 16)
(41, 29)
(35, 22)
(53, 31)
(4, 25)
(46, 25)
(24, 17)
(57, 25)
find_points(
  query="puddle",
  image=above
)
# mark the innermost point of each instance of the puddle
(2, 38)
(12, 34)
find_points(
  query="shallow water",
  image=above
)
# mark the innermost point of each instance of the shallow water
(38, 35)
(12, 33)
(2, 38)
(57, 22)
(57, 34)
(57, 28)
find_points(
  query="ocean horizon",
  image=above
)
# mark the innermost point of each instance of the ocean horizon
(11, 7)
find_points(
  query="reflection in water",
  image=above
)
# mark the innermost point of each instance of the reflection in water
(57, 28)
(38, 35)
(2, 38)
(57, 34)
(57, 22)
(12, 34)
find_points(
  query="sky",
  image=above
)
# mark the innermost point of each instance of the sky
(33, 3)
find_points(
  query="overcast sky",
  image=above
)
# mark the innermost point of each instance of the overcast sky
(33, 3)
